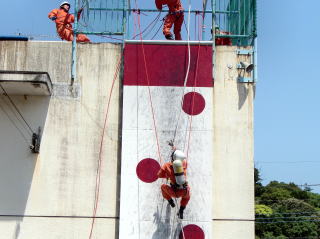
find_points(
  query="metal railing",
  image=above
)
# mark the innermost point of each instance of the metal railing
(231, 19)
(235, 19)
(103, 17)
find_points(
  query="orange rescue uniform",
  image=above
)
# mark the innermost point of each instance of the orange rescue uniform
(169, 192)
(175, 16)
(64, 27)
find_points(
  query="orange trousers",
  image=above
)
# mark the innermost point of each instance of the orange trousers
(66, 33)
(168, 193)
(175, 18)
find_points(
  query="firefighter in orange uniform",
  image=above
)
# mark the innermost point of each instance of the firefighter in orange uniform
(175, 171)
(174, 17)
(63, 22)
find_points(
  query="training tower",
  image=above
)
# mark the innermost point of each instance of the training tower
(85, 127)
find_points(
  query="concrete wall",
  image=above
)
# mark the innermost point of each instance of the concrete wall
(51, 195)
(233, 190)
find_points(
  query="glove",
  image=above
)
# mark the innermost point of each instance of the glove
(80, 10)
(185, 185)
(53, 18)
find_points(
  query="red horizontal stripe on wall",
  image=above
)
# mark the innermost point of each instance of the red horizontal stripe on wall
(167, 65)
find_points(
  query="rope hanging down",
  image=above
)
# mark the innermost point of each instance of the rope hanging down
(98, 174)
(149, 91)
(185, 82)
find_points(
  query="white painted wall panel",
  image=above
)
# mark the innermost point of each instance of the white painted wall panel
(144, 214)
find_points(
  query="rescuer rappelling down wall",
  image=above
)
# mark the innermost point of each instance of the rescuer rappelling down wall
(175, 171)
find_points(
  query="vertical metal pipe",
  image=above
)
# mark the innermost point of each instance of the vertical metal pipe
(244, 17)
(254, 18)
(239, 17)
(128, 15)
(107, 24)
(100, 10)
(118, 15)
(239, 21)
(224, 16)
(204, 9)
(74, 45)
(94, 14)
(124, 18)
(229, 15)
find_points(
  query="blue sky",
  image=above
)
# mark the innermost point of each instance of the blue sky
(287, 111)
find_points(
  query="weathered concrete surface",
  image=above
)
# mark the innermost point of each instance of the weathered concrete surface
(233, 190)
(53, 57)
(60, 181)
(58, 185)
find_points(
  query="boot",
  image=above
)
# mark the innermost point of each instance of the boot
(171, 202)
(169, 36)
(180, 213)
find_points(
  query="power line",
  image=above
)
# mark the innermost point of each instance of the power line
(291, 213)
(15, 114)
(286, 162)
(282, 200)
(14, 124)
(309, 185)
(271, 218)
(290, 221)
(16, 108)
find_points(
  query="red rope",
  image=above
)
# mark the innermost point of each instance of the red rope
(149, 92)
(98, 175)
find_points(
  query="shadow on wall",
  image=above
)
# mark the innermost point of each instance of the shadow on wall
(243, 94)
(163, 224)
(17, 162)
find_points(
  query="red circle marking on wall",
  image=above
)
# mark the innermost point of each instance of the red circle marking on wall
(192, 231)
(193, 99)
(147, 170)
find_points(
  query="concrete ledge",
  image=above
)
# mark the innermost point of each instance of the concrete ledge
(26, 83)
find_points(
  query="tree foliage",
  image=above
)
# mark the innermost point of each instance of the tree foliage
(285, 211)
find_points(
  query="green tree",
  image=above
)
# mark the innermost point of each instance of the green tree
(258, 188)
(286, 211)
(314, 200)
(263, 210)
(274, 192)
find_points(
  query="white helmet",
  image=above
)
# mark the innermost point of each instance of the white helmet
(178, 154)
(65, 3)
